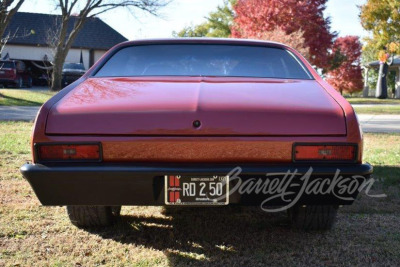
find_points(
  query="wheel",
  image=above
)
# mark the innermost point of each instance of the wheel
(314, 217)
(29, 84)
(116, 210)
(20, 83)
(91, 216)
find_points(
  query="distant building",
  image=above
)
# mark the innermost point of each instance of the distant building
(95, 38)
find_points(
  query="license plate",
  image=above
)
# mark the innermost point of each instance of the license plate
(196, 190)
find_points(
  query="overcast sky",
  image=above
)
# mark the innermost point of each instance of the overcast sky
(180, 13)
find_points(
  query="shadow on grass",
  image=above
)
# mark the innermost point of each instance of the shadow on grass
(240, 236)
(388, 175)
(387, 183)
(247, 236)
(13, 101)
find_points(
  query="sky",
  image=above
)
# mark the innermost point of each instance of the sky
(181, 13)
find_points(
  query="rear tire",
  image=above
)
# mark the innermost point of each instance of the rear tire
(92, 216)
(29, 85)
(20, 83)
(314, 217)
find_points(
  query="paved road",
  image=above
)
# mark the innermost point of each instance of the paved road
(15, 113)
(380, 123)
(369, 123)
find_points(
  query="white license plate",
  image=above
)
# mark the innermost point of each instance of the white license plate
(208, 190)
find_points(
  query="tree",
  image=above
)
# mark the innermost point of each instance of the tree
(382, 18)
(218, 23)
(348, 76)
(74, 14)
(7, 10)
(255, 17)
(294, 39)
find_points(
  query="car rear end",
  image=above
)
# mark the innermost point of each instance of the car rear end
(72, 72)
(197, 141)
(8, 73)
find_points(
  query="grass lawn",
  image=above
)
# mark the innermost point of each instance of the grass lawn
(366, 233)
(19, 97)
(372, 100)
(378, 109)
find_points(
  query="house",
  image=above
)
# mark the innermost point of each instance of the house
(32, 31)
(394, 67)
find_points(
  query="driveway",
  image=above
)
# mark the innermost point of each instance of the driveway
(18, 113)
(369, 123)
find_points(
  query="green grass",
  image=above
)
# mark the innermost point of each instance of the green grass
(32, 235)
(388, 106)
(383, 152)
(378, 109)
(14, 137)
(18, 97)
(371, 100)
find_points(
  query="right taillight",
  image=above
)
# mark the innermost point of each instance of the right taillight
(318, 152)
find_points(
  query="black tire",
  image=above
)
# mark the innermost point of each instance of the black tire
(20, 83)
(93, 216)
(29, 84)
(116, 210)
(314, 217)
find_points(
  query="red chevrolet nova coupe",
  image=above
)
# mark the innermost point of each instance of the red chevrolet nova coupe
(198, 122)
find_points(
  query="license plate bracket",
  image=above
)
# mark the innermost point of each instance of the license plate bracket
(197, 190)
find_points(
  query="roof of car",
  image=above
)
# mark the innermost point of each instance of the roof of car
(202, 40)
(95, 33)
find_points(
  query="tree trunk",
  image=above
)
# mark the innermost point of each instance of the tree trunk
(56, 76)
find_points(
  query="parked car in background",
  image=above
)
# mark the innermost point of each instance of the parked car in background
(72, 72)
(14, 73)
(164, 122)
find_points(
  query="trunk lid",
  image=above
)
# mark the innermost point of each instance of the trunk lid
(224, 107)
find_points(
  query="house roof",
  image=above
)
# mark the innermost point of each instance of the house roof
(376, 63)
(95, 34)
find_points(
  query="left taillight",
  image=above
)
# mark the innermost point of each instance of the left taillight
(68, 152)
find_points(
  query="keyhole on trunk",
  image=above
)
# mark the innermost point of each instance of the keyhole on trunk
(196, 124)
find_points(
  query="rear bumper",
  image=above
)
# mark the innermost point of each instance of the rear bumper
(111, 184)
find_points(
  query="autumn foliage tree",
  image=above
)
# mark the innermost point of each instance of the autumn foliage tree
(294, 39)
(254, 18)
(382, 19)
(348, 76)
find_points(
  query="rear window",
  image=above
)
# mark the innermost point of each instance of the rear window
(204, 60)
(6, 65)
(74, 66)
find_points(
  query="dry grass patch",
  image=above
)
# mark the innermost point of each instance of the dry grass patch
(32, 235)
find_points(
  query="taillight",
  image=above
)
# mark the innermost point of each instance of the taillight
(68, 152)
(318, 152)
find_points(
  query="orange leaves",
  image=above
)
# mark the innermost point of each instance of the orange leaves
(258, 18)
